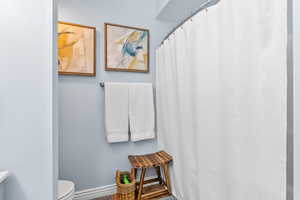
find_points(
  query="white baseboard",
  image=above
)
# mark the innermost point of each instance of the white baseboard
(94, 193)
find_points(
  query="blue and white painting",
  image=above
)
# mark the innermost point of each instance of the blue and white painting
(126, 48)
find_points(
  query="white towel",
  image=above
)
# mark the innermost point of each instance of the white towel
(141, 111)
(116, 112)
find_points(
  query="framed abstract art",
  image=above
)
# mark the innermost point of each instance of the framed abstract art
(126, 48)
(76, 49)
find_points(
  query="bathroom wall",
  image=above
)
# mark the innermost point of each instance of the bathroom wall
(177, 10)
(290, 107)
(2, 197)
(85, 157)
(160, 4)
(28, 135)
(296, 42)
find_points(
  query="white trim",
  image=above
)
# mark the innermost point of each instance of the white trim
(94, 193)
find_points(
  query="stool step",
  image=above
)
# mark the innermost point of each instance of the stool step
(153, 180)
(156, 191)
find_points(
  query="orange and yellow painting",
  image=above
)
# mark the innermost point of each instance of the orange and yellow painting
(127, 48)
(76, 49)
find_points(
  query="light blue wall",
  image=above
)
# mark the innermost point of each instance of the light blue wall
(27, 99)
(2, 197)
(160, 4)
(178, 10)
(290, 101)
(296, 41)
(290, 107)
(85, 156)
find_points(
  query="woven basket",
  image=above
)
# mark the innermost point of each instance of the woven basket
(125, 191)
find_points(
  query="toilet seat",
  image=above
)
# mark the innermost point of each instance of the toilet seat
(65, 190)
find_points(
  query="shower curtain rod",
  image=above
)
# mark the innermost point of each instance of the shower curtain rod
(202, 7)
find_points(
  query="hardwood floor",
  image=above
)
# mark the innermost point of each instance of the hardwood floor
(105, 198)
(111, 198)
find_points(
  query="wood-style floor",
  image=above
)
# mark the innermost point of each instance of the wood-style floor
(105, 198)
(111, 198)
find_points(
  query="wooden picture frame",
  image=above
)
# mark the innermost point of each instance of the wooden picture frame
(142, 42)
(90, 46)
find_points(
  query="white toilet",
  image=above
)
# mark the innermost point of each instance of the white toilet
(66, 190)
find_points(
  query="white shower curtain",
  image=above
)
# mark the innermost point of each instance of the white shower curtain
(221, 102)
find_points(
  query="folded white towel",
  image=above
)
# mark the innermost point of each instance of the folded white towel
(116, 112)
(141, 111)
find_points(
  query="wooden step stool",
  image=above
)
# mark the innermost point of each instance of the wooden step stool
(159, 161)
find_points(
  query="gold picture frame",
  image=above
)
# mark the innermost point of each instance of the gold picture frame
(126, 48)
(76, 49)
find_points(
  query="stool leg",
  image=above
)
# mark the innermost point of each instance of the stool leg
(158, 174)
(167, 176)
(134, 171)
(141, 183)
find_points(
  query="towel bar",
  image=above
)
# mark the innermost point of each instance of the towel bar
(102, 84)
